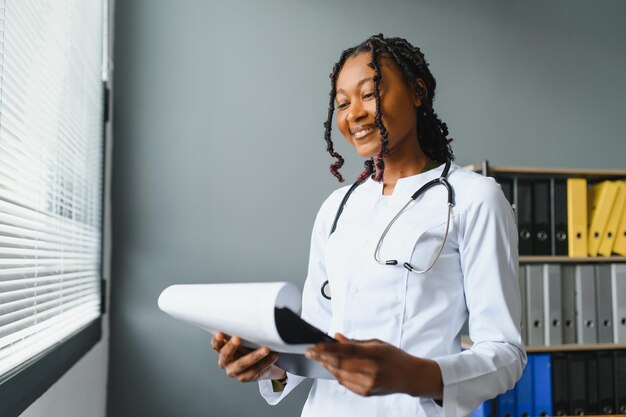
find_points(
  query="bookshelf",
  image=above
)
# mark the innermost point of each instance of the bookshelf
(576, 358)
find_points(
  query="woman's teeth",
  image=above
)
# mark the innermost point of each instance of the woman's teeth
(362, 133)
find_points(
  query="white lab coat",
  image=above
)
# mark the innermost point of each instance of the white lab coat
(475, 276)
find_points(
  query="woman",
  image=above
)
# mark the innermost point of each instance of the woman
(401, 293)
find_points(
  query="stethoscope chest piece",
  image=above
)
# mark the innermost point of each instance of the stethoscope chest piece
(326, 290)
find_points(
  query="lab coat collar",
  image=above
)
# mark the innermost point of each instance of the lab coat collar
(405, 187)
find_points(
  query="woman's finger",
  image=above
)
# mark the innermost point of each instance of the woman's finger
(252, 372)
(227, 353)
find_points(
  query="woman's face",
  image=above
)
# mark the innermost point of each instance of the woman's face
(356, 106)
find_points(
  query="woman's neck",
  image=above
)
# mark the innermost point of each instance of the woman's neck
(396, 169)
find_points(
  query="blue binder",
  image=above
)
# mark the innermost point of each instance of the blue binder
(505, 404)
(524, 391)
(542, 385)
(484, 410)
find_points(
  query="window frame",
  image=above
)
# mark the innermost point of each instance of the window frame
(29, 381)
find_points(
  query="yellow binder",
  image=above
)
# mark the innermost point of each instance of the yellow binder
(601, 200)
(619, 246)
(608, 239)
(576, 217)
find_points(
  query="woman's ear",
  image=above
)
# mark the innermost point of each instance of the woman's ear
(421, 93)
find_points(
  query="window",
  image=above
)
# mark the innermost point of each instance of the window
(51, 180)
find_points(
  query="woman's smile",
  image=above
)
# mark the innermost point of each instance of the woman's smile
(362, 131)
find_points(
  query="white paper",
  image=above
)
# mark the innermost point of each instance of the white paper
(245, 310)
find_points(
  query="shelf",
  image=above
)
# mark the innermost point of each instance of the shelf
(566, 259)
(589, 173)
(466, 343)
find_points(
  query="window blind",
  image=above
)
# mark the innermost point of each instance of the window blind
(51, 156)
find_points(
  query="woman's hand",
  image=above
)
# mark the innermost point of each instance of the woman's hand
(243, 364)
(373, 367)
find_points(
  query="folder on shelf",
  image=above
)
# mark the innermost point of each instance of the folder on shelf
(568, 298)
(534, 304)
(542, 240)
(577, 217)
(523, 296)
(586, 318)
(524, 390)
(484, 410)
(601, 198)
(591, 382)
(505, 404)
(606, 383)
(560, 384)
(620, 381)
(506, 184)
(618, 289)
(559, 216)
(524, 205)
(619, 246)
(577, 383)
(542, 385)
(608, 238)
(552, 306)
(604, 303)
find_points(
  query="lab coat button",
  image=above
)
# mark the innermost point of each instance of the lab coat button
(341, 389)
(355, 289)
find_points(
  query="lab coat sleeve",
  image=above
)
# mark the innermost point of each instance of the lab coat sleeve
(489, 262)
(315, 309)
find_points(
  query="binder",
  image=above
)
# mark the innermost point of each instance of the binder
(591, 382)
(524, 204)
(542, 239)
(534, 304)
(524, 390)
(522, 290)
(559, 216)
(484, 410)
(552, 308)
(618, 289)
(568, 298)
(505, 404)
(600, 202)
(542, 384)
(577, 383)
(560, 384)
(577, 217)
(608, 238)
(619, 246)
(606, 383)
(604, 303)
(585, 304)
(620, 381)
(506, 184)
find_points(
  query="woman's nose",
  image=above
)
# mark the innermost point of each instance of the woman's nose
(357, 111)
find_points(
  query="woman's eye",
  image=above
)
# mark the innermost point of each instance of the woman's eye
(342, 105)
(368, 95)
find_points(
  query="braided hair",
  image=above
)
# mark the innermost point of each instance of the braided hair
(432, 133)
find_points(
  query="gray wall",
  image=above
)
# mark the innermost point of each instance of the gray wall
(219, 161)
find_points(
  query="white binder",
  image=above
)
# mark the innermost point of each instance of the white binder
(568, 291)
(604, 303)
(522, 290)
(586, 319)
(552, 306)
(618, 289)
(534, 305)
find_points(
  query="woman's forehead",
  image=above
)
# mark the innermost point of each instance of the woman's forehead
(359, 67)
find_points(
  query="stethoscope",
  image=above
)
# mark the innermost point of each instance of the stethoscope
(442, 179)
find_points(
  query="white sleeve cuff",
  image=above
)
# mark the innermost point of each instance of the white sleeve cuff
(273, 398)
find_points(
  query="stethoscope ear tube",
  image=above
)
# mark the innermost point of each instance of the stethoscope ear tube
(442, 179)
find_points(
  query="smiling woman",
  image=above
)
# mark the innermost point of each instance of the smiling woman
(401, 352)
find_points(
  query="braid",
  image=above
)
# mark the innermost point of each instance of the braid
(432, 131)
(384, 141)
(328, 124)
